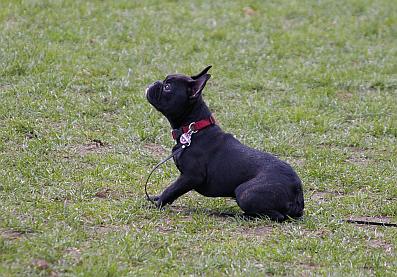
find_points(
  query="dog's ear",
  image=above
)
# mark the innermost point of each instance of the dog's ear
(195, 77)
(198, 85)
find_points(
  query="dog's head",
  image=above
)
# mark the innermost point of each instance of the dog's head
(174, 96)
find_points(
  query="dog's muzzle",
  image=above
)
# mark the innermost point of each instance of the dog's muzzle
(156, 87)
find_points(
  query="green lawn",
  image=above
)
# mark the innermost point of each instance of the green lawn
(314, 82)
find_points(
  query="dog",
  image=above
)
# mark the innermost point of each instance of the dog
(215, 163)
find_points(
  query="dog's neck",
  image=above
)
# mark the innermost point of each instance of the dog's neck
(197, 111)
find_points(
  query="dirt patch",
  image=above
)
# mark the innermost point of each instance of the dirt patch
(73, 252)
(249, 11)
(377, 243)
(105, 193)
(324, 196)
(356, 149)
(309, 266)
(319, 196)
(40, 264)
(358, 158)
(95, 146)
(344, 95)
(356, 155)
(11, 234)
(155, 149)
(164, 229)
(4, 87)
(257, 231)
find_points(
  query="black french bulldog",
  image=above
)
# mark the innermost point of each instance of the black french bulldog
(214, 163)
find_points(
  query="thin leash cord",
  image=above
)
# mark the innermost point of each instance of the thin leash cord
(157, 166)
(364, 222)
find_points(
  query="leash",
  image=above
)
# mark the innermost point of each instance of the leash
(173, 154)
(184, 135)
(365, 222)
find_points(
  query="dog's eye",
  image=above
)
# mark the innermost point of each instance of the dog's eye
(167, 87)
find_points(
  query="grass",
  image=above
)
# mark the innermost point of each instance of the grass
(314, 82)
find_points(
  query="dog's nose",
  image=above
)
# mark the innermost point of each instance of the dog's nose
(147, 89)
(151, 85)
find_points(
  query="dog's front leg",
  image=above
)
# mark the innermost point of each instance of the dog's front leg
(181, 186)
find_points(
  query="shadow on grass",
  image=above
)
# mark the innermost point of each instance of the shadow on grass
(224, 214)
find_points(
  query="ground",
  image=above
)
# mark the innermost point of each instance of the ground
(314, 82)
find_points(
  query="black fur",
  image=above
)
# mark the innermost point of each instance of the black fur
(218, 165)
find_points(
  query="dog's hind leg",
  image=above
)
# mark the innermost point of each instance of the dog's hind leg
(258, 199)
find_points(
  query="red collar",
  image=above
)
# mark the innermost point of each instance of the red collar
(194, 126)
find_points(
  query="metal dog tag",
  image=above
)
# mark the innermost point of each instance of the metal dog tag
(185, 138)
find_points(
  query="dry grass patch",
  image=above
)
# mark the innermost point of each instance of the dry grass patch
(95, 146)
(155, 149)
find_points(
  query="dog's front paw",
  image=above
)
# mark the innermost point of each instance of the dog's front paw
(154, 198)
(159, 203)
(156, 201)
